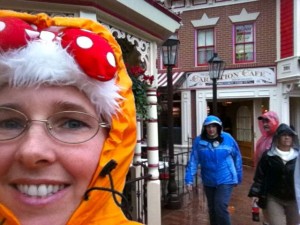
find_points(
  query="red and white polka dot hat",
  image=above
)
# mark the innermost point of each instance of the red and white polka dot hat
(78, 57)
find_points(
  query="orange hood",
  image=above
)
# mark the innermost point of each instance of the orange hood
(100, 207)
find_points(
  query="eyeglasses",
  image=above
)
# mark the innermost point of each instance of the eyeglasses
(70, 127)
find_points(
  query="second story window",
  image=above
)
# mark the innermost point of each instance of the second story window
(244, 43)
(199, 2)
(205, 45)
(177, 3)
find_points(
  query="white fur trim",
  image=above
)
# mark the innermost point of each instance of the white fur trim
(48, 63)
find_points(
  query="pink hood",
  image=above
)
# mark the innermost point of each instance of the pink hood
(264, 142)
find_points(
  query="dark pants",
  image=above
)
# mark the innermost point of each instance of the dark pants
(218, 199)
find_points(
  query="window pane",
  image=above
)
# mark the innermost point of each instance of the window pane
(201, 38)
(197, 2)
(249, 57)
(248, 33)
(205, 38)
(177, 3)
(240, 34)
(239, 52)
(209, 53)
(249, 48)
(209, 38)
(201, 56)
(239, 49)
(249, 52)
(204, 54)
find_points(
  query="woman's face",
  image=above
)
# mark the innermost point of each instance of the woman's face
(212, 130)
(285, 142)
(266, 124)
(35, 162)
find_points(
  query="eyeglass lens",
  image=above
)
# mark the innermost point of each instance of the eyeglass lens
(66, 126)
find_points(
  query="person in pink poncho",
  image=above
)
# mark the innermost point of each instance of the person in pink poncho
(268, 123)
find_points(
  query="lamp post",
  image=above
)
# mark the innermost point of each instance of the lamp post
(169, 50)
(216, 68)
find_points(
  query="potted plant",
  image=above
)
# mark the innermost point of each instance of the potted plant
(140, 83)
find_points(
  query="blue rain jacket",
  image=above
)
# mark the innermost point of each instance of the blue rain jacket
(219, 165)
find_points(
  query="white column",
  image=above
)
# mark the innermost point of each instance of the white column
(295, 120)
(154, 202)
(138, 147)
(152, 134)
(280, 102)
(256, 112)
(153, 185)
(201, 110)
(285, 109)
(186, 120)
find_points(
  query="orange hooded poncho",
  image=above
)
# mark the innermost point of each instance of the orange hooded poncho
(119, 145)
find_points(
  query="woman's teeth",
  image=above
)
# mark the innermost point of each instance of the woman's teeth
(41, 190)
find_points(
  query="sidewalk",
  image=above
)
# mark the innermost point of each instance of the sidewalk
(194, 209)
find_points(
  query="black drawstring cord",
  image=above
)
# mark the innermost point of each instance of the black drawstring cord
(2, 221)
(107, 171)
(112, 190)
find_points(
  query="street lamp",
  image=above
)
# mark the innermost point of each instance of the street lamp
(169, 51)
(216, 68)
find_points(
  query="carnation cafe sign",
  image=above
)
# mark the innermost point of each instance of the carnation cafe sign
(238, 77)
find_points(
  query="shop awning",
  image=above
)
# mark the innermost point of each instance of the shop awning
(177, 77)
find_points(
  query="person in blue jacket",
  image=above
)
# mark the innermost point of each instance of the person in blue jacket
(219, 157)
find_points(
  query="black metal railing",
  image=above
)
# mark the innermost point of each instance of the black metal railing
(135, 191)
(181, 159)
(180, 165)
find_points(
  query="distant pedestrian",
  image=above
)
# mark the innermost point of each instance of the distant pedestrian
(268, 123)
(273, 187)
(220, 160)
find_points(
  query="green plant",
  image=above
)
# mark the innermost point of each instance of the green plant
(140, 83)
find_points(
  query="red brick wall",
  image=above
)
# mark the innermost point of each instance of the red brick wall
(265, 35)
(286, 28)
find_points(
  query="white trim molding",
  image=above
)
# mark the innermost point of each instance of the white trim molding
(244, 16)
(205, 21)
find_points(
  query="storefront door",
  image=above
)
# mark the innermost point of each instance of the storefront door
(244, 131)
(237, 118)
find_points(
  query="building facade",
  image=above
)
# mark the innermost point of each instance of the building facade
(259, 42)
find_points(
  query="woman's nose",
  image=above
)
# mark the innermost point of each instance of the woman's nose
(36, 148)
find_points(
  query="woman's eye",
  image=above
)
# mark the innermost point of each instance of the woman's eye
(71, 121)
(11, 124)
(72, 124)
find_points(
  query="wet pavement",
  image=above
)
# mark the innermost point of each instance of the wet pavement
(194, 207)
